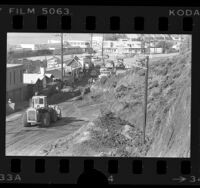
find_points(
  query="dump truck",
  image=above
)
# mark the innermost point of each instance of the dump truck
(41, 113)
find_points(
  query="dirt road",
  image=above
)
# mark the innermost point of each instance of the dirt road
(28, 141)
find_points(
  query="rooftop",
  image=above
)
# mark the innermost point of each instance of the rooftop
(13, 65)
(32, 78)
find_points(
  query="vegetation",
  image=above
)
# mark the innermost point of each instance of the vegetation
(186, 45)
(166, 45)
(169, 89)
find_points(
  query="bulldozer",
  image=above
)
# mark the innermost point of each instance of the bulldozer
(41, 113)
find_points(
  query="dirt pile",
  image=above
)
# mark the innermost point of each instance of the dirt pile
(106, 136)
(118, 137)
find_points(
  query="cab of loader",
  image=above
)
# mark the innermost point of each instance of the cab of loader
(39, 102)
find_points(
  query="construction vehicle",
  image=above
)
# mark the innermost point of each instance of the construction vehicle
(41, 113)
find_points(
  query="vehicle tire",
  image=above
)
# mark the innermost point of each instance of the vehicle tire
(24, 120)
(53, 116)
(45, 121)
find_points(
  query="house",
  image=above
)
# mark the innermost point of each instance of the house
(14, 83)
(36, 82)
(80, 43)
(56, 73)
(74, 67)
(24, 47)
(53, 62)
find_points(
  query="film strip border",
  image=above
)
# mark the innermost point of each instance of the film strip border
(133, 20)
(101, 19)
(113, 171)
(90, 23)
(112, 164)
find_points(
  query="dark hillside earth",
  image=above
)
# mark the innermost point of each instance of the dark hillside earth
(117, 131)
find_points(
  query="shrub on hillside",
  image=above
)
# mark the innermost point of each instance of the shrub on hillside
(141, 72)
(114, 84)
(121, 91)
(103, 80)
(137, 102)
(156, 92)
(176, 75)
(122, 88)
(167, 82)
(95, 96)
(166, 109)
(154, 84)
(162, 71)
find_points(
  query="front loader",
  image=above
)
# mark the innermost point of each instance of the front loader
(41, 113)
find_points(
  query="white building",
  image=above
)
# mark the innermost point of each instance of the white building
(80, 43)
(122, 46)
(134, 36)
(25, 47)
(73, 43)
(176, 46)
(53, 41)
(97, 42)
(28, 46)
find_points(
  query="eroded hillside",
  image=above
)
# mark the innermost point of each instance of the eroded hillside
(118, 129)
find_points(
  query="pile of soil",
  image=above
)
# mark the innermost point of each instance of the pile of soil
(106, 136)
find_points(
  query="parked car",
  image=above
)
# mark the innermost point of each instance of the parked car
(120, 65)
(106, 73)
(67, 89)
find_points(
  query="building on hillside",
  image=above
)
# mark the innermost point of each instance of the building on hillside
(176, 46)
(73, 67)
(70, 46)
(134, 37)
(25, 47)
(156, 50)
(36, 82)
(122, 46)
(32, 65)
(53, 62)
(97, 42)
(80, 43)
(53, 41)
(14, 83)
(176, 37)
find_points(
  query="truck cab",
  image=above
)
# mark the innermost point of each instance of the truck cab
(39, 102)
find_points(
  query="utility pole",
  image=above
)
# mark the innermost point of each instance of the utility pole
(91, 40)
(142, 43)
(91, 44)
(145, 97)
(61, 56)
(146, 94)
(102, 48)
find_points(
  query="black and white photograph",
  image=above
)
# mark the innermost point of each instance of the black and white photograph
(98, 95)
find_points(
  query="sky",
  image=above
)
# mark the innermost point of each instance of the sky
(38, 38)
(41, 38)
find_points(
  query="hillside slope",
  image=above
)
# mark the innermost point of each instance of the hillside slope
(171, 122)
(118, 129)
